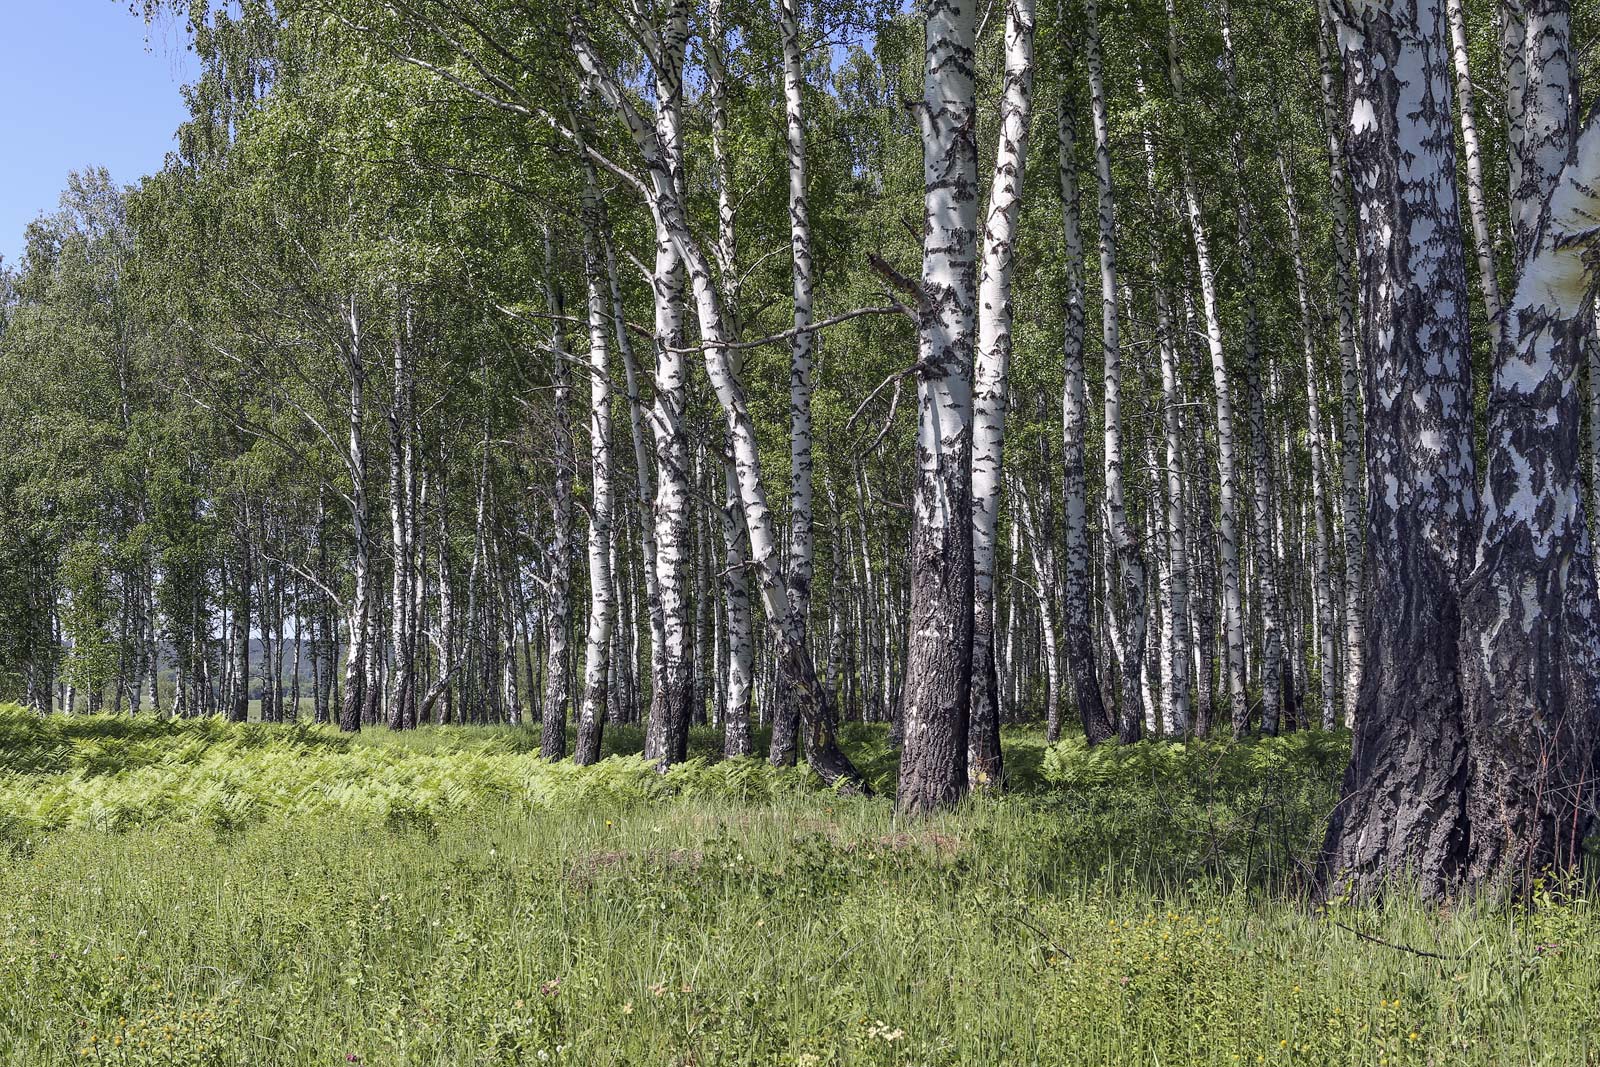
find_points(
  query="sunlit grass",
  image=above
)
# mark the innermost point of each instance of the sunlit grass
(1134, 907)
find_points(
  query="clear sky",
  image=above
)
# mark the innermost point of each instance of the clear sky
(82, 83)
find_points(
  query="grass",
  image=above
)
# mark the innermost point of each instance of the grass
(194, 893)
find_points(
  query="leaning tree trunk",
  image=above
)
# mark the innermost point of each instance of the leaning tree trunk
(1128, 603)
(1402, 815)
(1077, 616)
(933, 768)
(796, 669)
(737, 681)
(984, 767)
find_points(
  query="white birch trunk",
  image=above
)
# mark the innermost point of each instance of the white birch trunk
(602, 597)
(1129, 602)
(1351, 497)
(798, 670)
(558, 569)
(989, 392)
(1477, 205)
(1078, 621)
(1322, 590)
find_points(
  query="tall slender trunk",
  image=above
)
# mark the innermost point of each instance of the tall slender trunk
(1351, 498)
(644, 494)
(1041, 554)
(239, 709)
(736, 598)
(794, 659)
(1174, 584)
(737, 684)
(602, 595)
(558, 557)
(1080, 650)
(1477, 203)
(1227, 464)
(402, 706)
(667, 730)
(1128, 601)
(801, 545)
(1268, 597)
(984, 767)
(358, 656)
(1321, 544)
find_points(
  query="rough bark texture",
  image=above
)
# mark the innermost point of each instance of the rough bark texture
(802, 345)
(1402, 816)
(1528, 645)
(933, 768)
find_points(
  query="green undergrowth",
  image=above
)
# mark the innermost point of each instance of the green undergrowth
(195, 893)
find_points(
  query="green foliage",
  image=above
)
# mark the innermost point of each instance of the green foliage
(274, 905)
(200, 893)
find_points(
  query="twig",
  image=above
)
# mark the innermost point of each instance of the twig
(1395, 946)
(1041, 931)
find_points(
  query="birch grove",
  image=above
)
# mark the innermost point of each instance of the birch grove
(706, 353)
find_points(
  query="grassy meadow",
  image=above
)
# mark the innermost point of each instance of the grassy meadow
(198, 893)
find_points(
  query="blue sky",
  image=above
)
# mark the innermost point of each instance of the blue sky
(82, 83)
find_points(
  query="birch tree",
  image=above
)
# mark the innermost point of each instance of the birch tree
(1403, 810)
(1227, 463)
(993, 360)
(1077, 621)
(1128, 603)
(558, 579)
(933, 765)
(602, 595)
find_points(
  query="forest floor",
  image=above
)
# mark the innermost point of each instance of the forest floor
(195, 893)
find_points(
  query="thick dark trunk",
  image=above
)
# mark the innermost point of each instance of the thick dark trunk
(1403, 815)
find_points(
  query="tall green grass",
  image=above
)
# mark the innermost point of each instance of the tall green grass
(200, 894)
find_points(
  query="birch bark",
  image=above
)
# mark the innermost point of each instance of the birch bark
(1128, 601)
(938, 678)
(558, 560)
(1402, 815)
(984, 768)
(602, 595)
(1078, 621)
